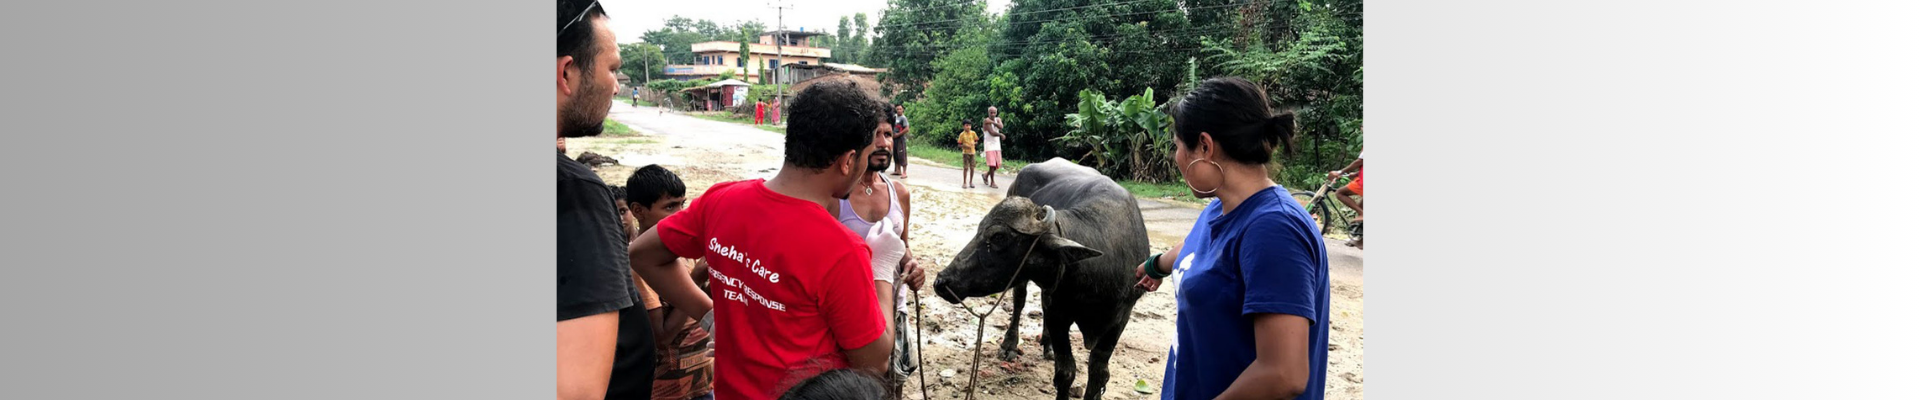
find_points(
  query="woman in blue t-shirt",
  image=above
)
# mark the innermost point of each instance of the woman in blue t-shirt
(1251, 276)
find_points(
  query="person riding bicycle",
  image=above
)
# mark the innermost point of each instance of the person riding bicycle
(1345, 194)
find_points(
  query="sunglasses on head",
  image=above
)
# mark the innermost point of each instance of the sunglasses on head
(576, 18)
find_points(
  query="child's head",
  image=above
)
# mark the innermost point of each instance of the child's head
(627, 224)
(966, 124)
(652, 194)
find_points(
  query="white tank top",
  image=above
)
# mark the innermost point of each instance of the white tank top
(860, 226)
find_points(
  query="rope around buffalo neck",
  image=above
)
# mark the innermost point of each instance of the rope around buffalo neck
(980, 333)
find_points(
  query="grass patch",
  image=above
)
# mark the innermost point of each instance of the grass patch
(1175, 191)
(729, 117)
(951, 157)
(635, 141)
(609, 127)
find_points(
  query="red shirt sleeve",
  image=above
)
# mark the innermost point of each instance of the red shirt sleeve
(683, 231)
(847, 297)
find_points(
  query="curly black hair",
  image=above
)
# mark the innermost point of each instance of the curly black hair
(1235, 112)
(830, 119)
(839, 384)
(651, 183)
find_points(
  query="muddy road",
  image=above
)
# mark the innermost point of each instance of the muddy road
(705, 152)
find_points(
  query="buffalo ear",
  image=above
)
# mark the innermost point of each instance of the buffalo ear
(1069, 250)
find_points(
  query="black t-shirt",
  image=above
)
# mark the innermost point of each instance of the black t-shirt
(634, 357)
(594, 275)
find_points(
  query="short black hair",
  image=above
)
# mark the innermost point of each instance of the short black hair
(1235, 112)
(830, 119)
(619, 193)
(966, 122)
(578, 39)
(652, 183)
(839, 384)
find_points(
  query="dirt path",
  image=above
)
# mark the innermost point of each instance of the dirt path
(705, 152)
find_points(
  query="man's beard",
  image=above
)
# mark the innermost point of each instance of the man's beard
(880, 166)
(578, 119)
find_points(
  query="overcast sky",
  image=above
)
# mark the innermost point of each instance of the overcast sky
(631, 18)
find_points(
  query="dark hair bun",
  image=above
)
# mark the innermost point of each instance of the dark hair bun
(1280, 131)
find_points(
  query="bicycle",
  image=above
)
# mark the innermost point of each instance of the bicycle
(1320, 204)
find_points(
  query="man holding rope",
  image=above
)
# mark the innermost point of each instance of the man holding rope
(879, 207)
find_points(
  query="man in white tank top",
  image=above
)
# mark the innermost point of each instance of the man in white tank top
(880, 203)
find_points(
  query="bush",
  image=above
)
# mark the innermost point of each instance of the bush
(1131, 139)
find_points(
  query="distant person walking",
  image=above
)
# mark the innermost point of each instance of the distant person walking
(992, 144)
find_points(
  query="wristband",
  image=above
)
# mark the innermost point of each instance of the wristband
(1153, 267)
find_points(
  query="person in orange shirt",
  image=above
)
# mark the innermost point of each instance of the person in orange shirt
(967, 139)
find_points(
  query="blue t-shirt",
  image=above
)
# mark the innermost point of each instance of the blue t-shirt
(1265, 257)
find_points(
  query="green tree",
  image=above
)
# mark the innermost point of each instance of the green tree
(857, 50)
(912, 33)
(746, 50)
(678, 36)
(1053, 49)
(642, 60)
(1315, 69)
(960, 91)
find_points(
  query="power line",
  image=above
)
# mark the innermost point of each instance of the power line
(1022, 44)
(1009, 15)
(1084, 17)
(1018, 48)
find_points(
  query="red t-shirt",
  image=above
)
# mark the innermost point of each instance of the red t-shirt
(792, 288)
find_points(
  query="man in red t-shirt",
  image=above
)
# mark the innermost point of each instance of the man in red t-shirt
(792, 289)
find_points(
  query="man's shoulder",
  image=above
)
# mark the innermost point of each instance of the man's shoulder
(570, 170)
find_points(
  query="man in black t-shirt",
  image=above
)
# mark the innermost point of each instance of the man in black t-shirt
(595, 279)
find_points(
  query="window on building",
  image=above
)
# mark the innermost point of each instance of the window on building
(742, 61)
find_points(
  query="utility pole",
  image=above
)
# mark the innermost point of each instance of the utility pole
(779, 54)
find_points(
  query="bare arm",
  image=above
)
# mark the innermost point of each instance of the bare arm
(1280, 365)
(1349, 169)
(586, 355)
(910, 272)
(884, 290)
(872, 358)
(661, 270)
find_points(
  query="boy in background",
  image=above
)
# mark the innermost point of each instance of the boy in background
(682, 369)
(967, 139)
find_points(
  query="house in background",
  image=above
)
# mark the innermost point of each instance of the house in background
(793, 74)
(712, 58)
(718, 95)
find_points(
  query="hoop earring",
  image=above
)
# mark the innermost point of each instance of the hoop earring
(1216, 188)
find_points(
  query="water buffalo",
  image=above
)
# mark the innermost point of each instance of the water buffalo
(1082, 260)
